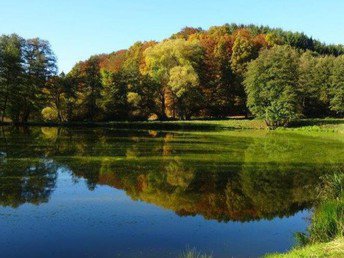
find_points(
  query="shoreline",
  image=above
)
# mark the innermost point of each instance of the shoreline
(302, 125)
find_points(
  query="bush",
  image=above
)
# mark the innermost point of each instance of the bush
(49, 114)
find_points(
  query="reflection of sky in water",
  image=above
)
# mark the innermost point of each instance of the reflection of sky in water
(106, 222)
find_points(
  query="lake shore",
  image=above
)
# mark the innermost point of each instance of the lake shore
(303, 125)
(334, 248)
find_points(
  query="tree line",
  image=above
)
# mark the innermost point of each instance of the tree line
(225, 70)
(25, 68)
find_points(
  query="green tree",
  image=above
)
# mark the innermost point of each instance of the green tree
(113, 101)
(163, 57)
(337, 89)
(11, 75)
(245, 49)
(40, 64)
(183, 83)
(271, 85)
(314, 84)
(87, 76)
(57, 94)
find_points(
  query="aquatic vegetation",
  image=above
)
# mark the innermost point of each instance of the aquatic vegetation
(326, 231)
(194, 254)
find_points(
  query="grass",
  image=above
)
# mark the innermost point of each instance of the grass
(303, 126)
(334, 248)
(326, 231)
(193, 253)
(166, 125)
(328, 219)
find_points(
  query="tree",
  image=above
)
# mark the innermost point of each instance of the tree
(163, 57)
(183, 82)
(113, 101)
(323, 74)
(245, 49)
(337, 89)
(216, 76)
(57, 91)
(186, 32)
(40, 65)
(87, 76)
(314, 84)
(11, 75)
(271, 85)
(143, 91)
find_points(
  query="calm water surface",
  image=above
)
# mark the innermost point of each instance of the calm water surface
(110, 193)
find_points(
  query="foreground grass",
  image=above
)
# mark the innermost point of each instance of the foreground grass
(334, 248)
(193, 253)
(326, 232)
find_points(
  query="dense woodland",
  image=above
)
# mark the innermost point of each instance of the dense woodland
(226, 70)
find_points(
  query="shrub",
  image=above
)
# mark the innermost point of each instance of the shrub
(49, 114)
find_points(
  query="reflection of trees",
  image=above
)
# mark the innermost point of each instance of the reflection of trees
(26, 182)
(279, 176)
(178, 175)
(221, 195)
(26, 176)
(269, 182)
(224, 178)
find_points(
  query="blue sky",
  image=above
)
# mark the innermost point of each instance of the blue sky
(77, 29)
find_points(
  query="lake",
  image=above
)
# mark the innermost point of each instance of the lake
(126, 193)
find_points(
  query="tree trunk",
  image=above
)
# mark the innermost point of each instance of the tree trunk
(4, 110)
(163, 115)
(25, 116)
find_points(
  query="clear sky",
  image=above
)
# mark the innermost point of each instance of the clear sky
(77, 29)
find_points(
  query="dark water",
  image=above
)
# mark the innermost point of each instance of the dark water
(108, 193)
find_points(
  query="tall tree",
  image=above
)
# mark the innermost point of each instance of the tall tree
(245, 49)
(87, 75)
(11, 75)
(314, 84)
(143, 91)
(58, 97)
(271, 85)
(183, 83)
(113, 101)
(337, 89)
(216, 76)
(163, 57)
(40, 65)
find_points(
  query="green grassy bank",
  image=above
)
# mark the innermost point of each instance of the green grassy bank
(325, 236)
(304, 125)
(334, 248)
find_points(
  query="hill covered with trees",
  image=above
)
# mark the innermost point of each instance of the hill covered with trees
(226, 70)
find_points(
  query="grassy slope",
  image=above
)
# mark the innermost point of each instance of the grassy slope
(331, 249)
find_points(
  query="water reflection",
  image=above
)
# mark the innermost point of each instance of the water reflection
(234, 177)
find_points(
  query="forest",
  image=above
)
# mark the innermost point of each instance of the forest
(230, 70)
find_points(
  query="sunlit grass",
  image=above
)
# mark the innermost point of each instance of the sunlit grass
(193, 253)
(334, 249)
